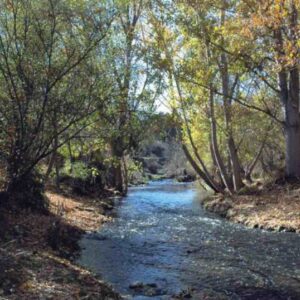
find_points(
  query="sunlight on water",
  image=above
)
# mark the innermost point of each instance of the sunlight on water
(162, 237)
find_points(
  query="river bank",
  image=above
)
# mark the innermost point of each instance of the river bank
(37, 252)
(274, 209)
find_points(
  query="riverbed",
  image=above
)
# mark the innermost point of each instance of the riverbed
(162, 244)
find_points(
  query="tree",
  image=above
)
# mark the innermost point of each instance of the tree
(43, 45)
(271, 29)
(135, 85)
(209, 84)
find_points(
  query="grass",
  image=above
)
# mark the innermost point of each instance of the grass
(274, 208)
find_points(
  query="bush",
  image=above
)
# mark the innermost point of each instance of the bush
(78, 170)
(27, 192)
(82, 178)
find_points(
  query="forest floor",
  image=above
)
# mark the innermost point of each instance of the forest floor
(37, 252)
(275, 208)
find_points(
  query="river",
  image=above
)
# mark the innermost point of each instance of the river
(162, 243)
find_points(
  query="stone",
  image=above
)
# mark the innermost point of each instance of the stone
(136, 285)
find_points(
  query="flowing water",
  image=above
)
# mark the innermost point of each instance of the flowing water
(162, 243)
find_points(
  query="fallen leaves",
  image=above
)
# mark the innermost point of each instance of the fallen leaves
(274, 209)
(31, 269)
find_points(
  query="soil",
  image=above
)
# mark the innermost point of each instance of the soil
(37, 251)
(275, 209)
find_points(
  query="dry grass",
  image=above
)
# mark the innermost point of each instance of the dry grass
(44, 275)
(278, 209)
(35, 251)
(272, 209)
(84, 213)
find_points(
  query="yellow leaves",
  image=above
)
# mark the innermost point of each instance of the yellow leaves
(199, 128)
(298, 43)
(259, 27)
(258, 21)
(291, 53)
(246, 32)
(174, 102)
(271, 14)
(191, 43)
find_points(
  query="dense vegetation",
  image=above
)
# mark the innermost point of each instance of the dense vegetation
(96, 95)
(234, 70)
(81, 82)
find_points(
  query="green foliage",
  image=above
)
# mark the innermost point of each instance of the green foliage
(78, 170)
(80, 81)
(134, 167)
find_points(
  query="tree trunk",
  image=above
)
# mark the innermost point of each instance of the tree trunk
(203, 173)
(292, 135)
(292, 126)
(203, 176)
(24, 186)
(125, 175)
(118, 177)
(119, 180)
(227, 99)
(50, 167)
(290, 97)
(53, 162)
(293, 152)
(249, 169)
(234, 160)
(27, 192)
(71, 158)
(215, 147)
(235, 164)
(57, 175)
(215, 164)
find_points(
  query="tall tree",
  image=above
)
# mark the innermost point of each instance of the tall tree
(135, 84)
(43, 45)
(211, 83)
(270, 30)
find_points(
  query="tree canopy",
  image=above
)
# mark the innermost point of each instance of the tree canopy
(81, 80)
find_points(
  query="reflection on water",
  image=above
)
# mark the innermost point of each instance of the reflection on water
(162, 237)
